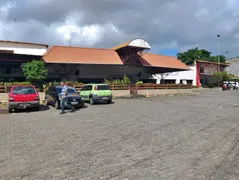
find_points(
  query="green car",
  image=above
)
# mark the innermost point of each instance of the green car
(96, 93)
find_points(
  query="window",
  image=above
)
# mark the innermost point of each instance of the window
(201, 69)
(89, 88)
(23, 90)
(70, 90)
(103, 87)
(83, 88)
(189, 81)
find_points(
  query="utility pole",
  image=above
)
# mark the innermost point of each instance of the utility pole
(219, 69)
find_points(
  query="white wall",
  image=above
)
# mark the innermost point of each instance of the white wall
(21, 48)
(181, 75)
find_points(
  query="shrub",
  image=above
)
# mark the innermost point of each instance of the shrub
(34, 71)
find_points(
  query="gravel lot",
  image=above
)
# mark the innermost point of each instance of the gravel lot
(181, 137)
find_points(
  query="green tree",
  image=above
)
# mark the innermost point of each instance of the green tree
(34, 71)
(217, 79)
(222, 59)
(191, 55)
(222, 76)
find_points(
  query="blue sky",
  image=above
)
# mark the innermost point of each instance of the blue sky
(168, 52)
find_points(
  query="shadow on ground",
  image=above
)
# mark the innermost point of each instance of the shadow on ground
(42, 108)
(103, 104)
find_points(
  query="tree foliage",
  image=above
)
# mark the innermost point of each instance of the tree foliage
(217, 79)
(191, 55)
(34, 71)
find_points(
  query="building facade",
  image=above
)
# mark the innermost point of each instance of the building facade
(87, 64)
(13, 54)
(198, 75)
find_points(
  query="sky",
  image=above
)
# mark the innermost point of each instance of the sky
(169, 26)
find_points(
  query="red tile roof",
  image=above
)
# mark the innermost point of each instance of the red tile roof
(125, 44)
(78, 55)
(162, 61)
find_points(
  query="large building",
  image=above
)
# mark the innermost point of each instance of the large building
(87, 64)
(13, 54)
(234, 66)
(198, 75)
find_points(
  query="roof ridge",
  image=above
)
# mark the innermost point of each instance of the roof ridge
(47, 52)
(81, 47)
(161, 55)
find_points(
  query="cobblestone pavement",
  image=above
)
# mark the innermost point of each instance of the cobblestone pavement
(181, 137)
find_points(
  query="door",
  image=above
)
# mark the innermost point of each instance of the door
(82, 93)
(88, 91)
(51, 95)
(48, 94)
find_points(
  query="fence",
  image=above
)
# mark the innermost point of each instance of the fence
(4, 87)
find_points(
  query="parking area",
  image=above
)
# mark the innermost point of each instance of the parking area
(180, 137)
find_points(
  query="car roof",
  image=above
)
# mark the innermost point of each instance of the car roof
(19, 85)
(61, 86)
(98, 84)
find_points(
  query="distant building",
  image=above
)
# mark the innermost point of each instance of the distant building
(13, 54)
(87, 65)
(234, 66)
(198, 75)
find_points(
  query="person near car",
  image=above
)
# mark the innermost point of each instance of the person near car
(63, 97)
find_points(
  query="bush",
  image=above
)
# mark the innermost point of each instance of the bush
(34, 71)
(139, 83)
(18, 83)
(124, 81)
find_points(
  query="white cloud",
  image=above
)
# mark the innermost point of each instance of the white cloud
(165, 24)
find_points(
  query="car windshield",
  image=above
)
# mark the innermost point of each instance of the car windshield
(23, 90)
(103, 87)
(70, 90)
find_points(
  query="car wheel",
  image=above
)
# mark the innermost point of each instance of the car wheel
(109, 102)
(10, 110)
(57, 104)
(37, 108)
(81, 106)
(92, 101)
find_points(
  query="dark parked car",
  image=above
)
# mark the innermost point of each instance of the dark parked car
(73, 98)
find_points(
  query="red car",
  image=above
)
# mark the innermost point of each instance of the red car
(23, 97)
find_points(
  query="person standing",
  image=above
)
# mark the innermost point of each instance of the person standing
(64, 96)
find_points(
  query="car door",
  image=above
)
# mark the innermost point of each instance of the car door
(52, 95)
(48, 95)
(82, 92)
(88, 91)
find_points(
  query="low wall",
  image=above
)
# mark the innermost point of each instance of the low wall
(123, 93)
(164, 91)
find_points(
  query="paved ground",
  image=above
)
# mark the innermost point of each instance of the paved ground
(183, 137)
